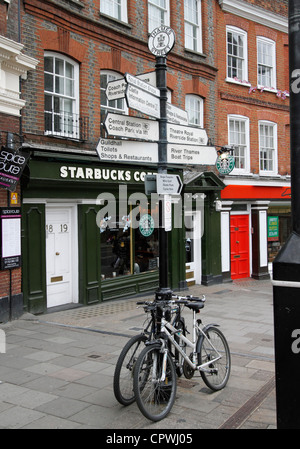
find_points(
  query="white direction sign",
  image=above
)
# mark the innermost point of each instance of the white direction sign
(177, 115)
(116, 89)
(168, 184)
(137, 82)
(191, 155)
(142, 101)
(120, 125)
(186, 135)
(149, 77)
(127, 151)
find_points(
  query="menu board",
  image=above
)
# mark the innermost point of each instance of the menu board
(10, 226)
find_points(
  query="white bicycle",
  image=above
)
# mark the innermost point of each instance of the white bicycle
(155, 379)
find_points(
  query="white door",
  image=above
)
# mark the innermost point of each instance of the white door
(193, 244)
(60, 256)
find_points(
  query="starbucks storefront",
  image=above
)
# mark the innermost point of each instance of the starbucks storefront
(89, 233)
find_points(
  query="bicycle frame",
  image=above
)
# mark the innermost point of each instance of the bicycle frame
(170, 330)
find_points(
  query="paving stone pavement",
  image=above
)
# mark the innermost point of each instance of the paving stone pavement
(57, 371)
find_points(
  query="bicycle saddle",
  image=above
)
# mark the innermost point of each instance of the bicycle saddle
(195, 306)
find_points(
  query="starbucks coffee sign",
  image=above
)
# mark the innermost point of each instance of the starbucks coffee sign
(146, 225)
(225, 165)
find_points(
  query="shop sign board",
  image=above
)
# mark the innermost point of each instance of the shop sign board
(186, 135)
(130, 151)
(10, 226)
(177, 115)
(120, 125)
(168, 184)
(142, 101)
(273, 228)
(12, 164)
(191, 155)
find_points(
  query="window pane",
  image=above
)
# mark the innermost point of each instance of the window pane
(48, 65)
(48, 82)
(59, 66)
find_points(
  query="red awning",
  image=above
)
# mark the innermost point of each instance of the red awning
(255, 192)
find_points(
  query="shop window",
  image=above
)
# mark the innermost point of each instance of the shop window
(127, 249)
(158, 14)
(192, 25)
(279, 229)
(61, 87)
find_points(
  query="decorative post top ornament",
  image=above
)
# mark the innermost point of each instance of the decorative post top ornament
(161, 40)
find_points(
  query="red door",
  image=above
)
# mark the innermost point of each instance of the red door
(239, 243)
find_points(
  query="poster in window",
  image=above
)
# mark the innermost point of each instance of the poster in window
(10, 237)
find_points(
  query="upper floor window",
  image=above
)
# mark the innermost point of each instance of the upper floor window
(61, 87)
(238, 135)
(237, 65)
(266, 62)
(192, 25)
(194, 108)
(114, 8)
(267, 148)
(158, 14)
(118, 106)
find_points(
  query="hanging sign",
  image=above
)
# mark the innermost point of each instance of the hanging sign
(12, 164)
(10, 228)
(225, 165)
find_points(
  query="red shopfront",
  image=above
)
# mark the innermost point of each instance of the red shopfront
(256, 221)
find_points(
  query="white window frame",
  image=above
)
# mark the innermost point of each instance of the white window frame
(273, 148)
(196, 24)
(107, 8)
(164, 10)
(272, 66)
(74, 98)
(242, 77)
(189, 100)
(246, 121)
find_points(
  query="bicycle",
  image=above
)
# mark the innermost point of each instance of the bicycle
(155, 381)
(123, 375)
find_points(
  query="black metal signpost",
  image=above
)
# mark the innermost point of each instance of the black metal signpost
(161, 42)
(286, 267)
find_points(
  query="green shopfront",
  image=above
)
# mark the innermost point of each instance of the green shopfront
(87, 236)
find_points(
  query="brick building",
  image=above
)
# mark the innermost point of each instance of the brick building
(253, 105)
(14, 68)
(73, 49)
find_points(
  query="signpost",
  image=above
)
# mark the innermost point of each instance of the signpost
(116, 89)
(168, 184)
(192, 155)
(131, 127)
(186, 135)
(177, 115)
(142, 101)
(127, 151)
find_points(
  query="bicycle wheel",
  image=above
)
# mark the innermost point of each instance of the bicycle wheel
(217, 374)
(123, 376)
(154, 397)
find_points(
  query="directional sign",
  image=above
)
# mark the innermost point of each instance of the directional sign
(142, 101)
(187, 135)
(116, 89)
(191, 155)
(131, 127)
(127, 151)
(149, 77)
(137, 82)
(177, 115)
(168, 184)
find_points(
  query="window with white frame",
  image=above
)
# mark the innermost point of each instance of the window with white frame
(158, 14)
(266, 62)
(61, 96)
(192, 25)
(267, 148)
(194, 108)
(118, 106)
(237, 63)
(238, 136)
(114, 8)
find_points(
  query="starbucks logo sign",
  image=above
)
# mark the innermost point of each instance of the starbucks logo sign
(225, 165)
(146, 225)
